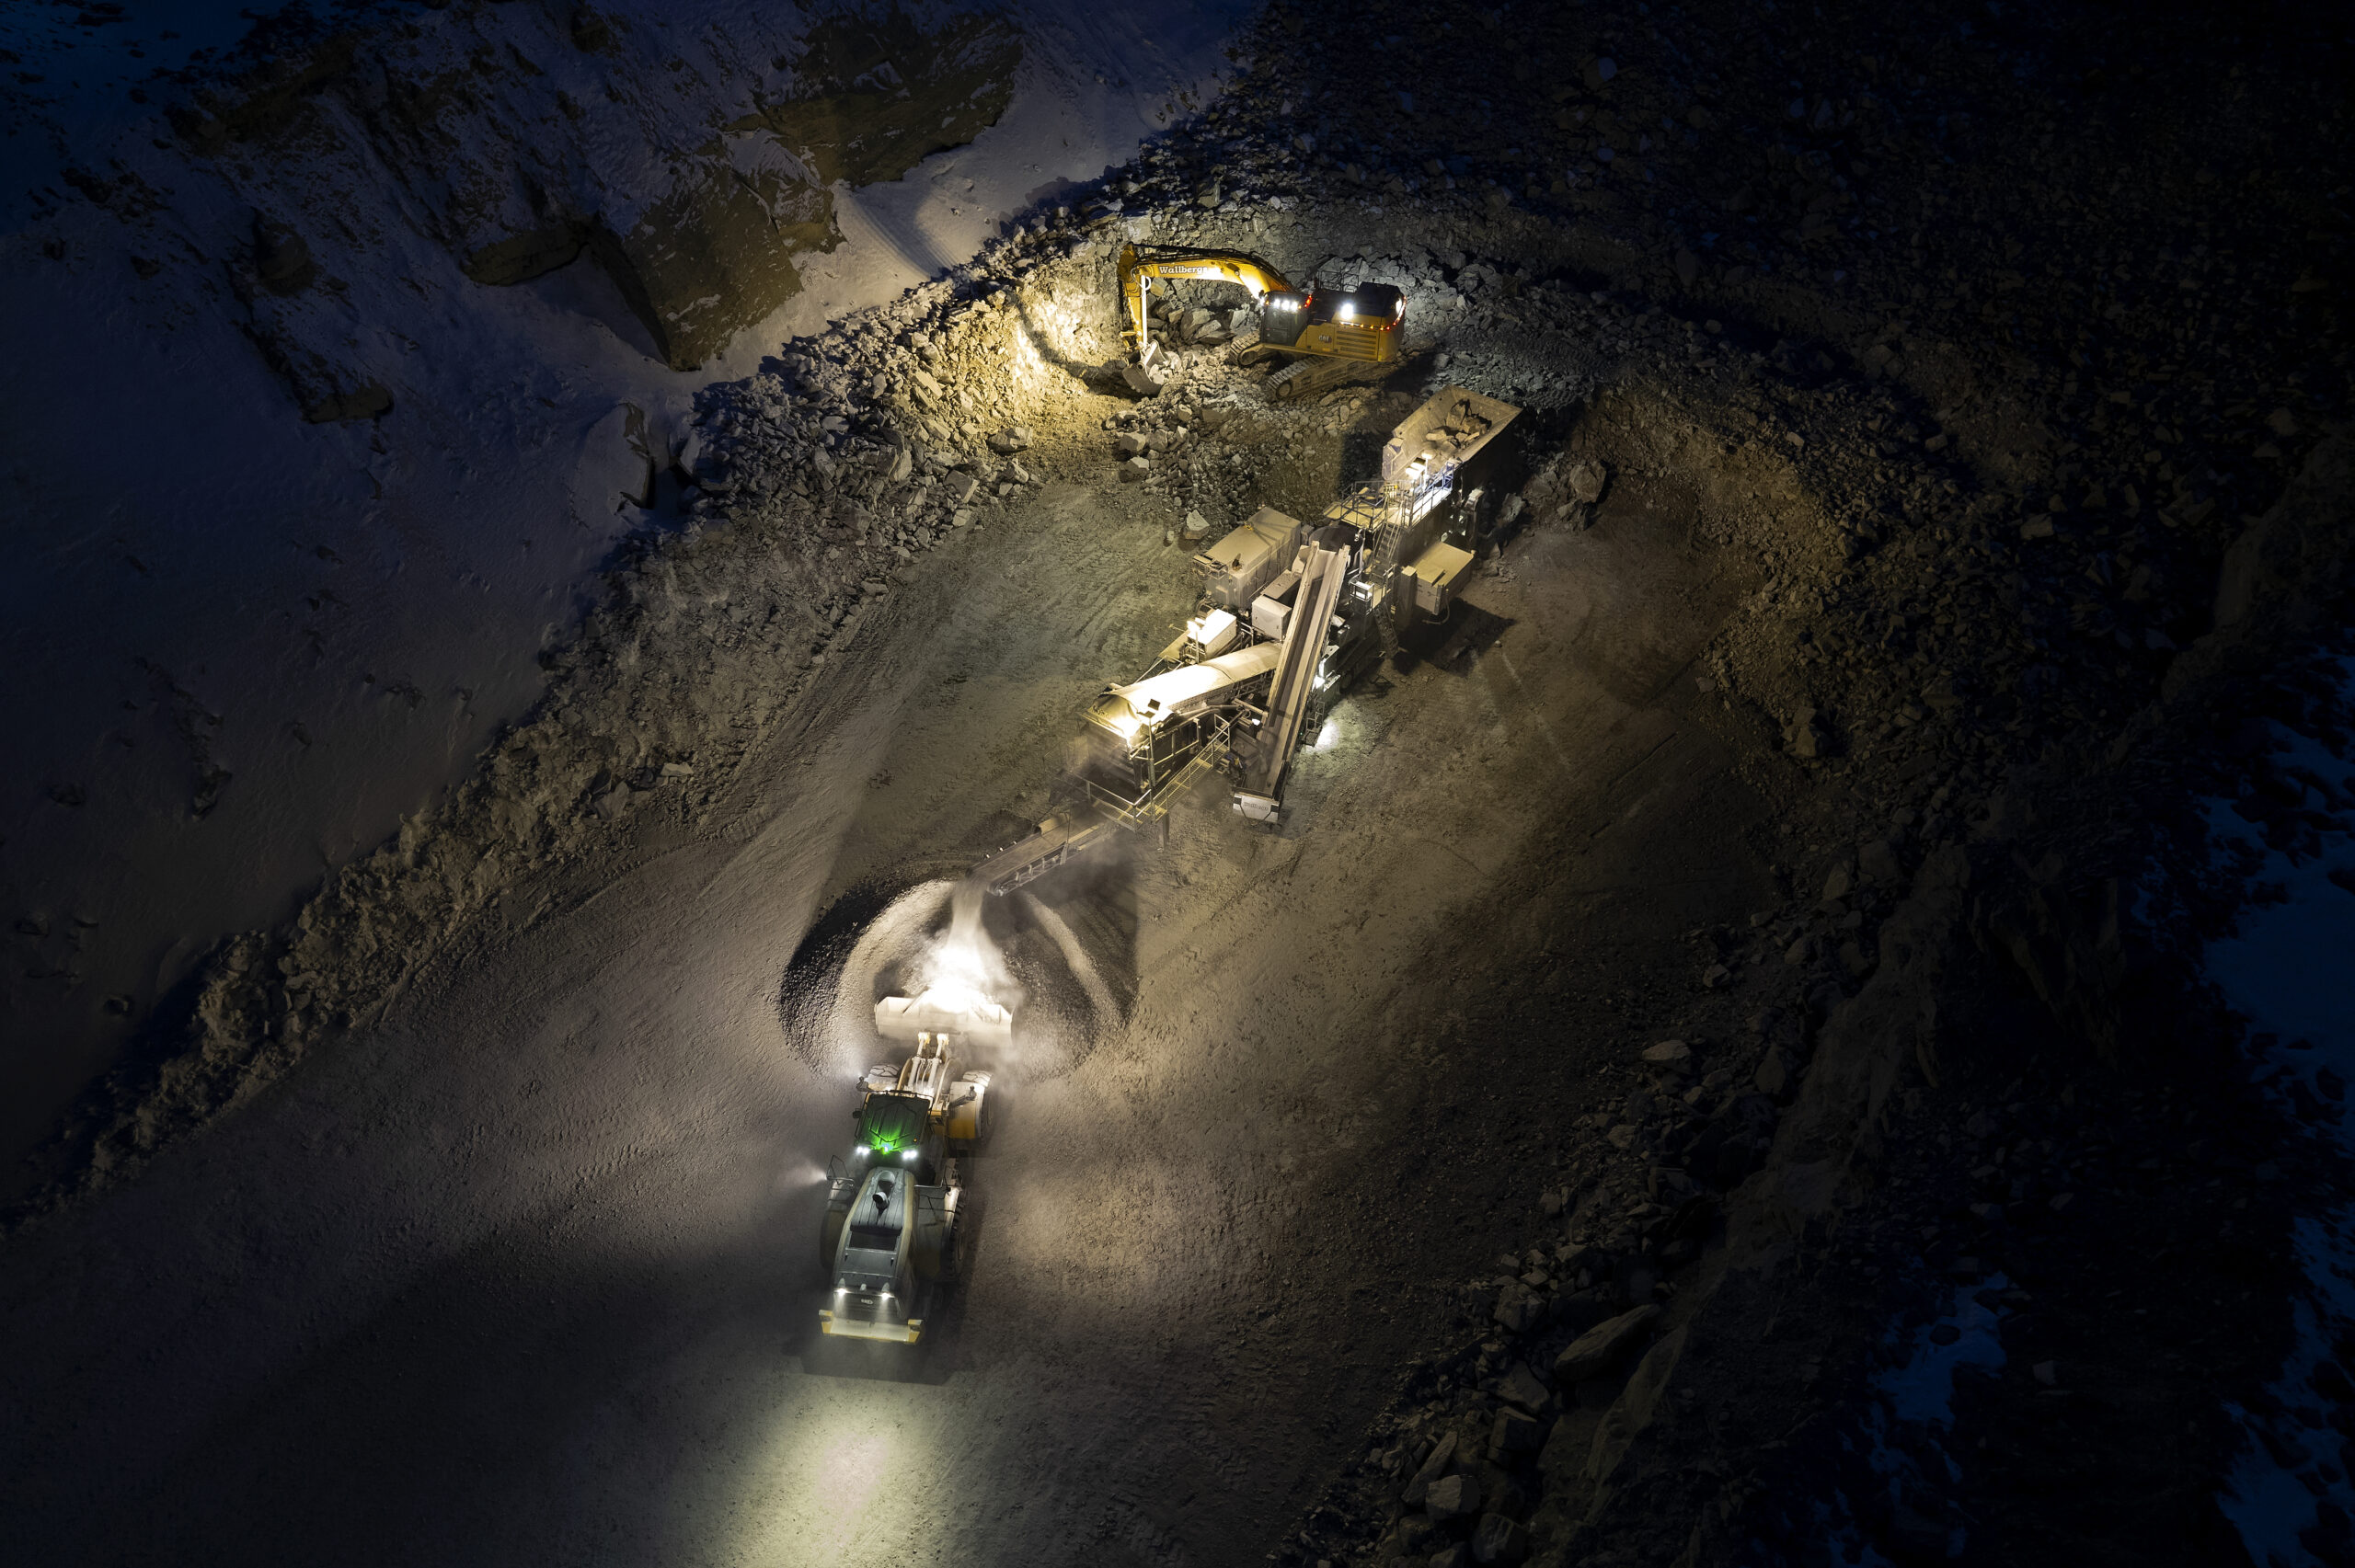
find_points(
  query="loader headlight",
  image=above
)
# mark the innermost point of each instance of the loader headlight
(862, 1150)
(1346, 312)
(911, 1154)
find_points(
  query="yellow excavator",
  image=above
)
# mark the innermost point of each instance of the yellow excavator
(1333, 336)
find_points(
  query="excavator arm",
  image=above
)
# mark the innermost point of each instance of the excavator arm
(1140, 264)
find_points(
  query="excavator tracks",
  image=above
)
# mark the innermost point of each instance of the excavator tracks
(1308, 377)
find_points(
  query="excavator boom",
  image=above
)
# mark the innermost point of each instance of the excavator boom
(1361, 324)
(1140, 264)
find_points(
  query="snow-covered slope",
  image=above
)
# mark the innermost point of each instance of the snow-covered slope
(340, 352)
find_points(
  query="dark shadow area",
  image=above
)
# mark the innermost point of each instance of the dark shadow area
(96, 1122)
(362, 1447)
(1452, 643)
(585, 286)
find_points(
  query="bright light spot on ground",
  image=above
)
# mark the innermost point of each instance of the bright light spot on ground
(964, 972)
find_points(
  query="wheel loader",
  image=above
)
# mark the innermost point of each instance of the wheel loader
(889, 1242)
(1333, 336)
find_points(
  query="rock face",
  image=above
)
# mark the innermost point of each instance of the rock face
(520, 141)
(717, 253)
(1603, 1348)
(875, 99)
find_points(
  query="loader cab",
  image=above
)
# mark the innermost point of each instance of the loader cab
(895, 1130)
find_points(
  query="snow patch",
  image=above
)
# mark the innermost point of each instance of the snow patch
(2286, 970)
(244, 647)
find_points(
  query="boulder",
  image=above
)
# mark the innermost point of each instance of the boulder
(1524, 1388)
(1197, 526)
(1516, 1433)
(1011, 440)
(1499, 1539)
(615, 466)
(1128, 443)
(1582, 1309)
(1434, 1465)
(520, 257)
(1603, 1348)
(1451, 1496)
(718, 251)
(282, 258)
(1672, 1056)
(1135, 469)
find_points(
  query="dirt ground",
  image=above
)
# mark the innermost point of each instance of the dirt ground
(525, 1271)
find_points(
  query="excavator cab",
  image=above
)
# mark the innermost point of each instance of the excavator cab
(1360, 323)
(1283, 314)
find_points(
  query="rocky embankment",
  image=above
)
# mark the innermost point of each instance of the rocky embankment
(409, 309)
(1943, 1220)
(341, 163)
